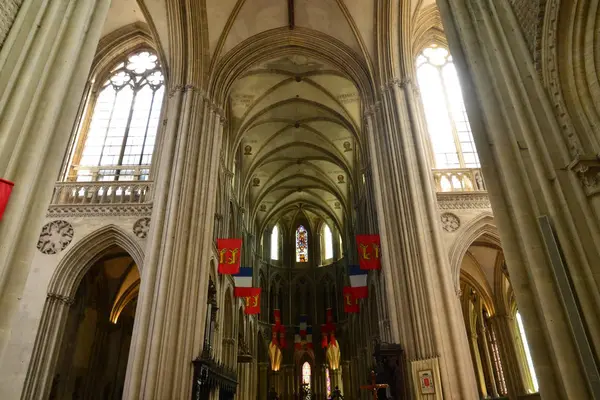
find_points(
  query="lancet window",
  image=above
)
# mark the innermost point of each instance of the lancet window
(521, 330)
(327, 242)
(301, 244)
(275, 243)
(447, 122)
(116, 137)
(306, 374)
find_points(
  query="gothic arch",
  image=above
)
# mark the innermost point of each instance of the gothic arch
(482, 225)
(85, 253)
(61, 294)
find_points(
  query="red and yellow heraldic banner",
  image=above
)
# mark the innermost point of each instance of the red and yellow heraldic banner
(350, 301)
(252, 301)
(5, 191)
(369, 251)
(230, 254)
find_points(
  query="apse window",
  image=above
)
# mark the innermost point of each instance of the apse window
(301, 244)
(275, 243)
(117, 137)
(445, 112)
(328, 241)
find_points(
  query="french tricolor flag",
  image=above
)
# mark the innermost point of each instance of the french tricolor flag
(243, 282)
(303, 325)
(297, 340)
(358, 281)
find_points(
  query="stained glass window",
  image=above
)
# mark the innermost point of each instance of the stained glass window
(328, 239)
(306, 374)
(275, 243)
(120, 138)
(328, 382)
(445, 112)
(301, 244)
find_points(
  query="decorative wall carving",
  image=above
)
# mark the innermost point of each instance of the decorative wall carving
(55, 237)
(141, 227)
(463, 201)
(588, 171)
(99, 210)
(450, 222)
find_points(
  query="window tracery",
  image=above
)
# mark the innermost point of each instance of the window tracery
(301, 244)
(118, 140)
(523, 338)
(445, 112)
(306, 374)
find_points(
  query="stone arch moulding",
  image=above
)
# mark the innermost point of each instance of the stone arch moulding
(61, 293)
(481, 225)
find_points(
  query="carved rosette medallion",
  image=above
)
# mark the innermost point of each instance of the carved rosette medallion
(55, 237)
(141, 227)
(450, 222)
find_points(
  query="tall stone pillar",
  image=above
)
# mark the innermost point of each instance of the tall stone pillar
(525, 157)
(44, 64)
(172, 303)
(263, 380)
(425, 316)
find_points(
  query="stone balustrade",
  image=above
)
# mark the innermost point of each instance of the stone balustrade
(459, 180)
(104, 192)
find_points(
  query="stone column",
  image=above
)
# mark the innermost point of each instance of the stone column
(424, 313)
(523, 153)
(172, 303)
(346, 379)
(43, 69)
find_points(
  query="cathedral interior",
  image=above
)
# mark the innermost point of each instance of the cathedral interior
(299, 199)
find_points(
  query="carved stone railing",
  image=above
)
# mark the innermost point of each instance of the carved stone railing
(106, 192)
(103, 198)
(459, 180)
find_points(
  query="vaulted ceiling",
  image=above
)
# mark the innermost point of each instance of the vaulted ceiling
(297, 123)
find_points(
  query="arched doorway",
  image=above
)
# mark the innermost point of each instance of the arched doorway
(92, 361)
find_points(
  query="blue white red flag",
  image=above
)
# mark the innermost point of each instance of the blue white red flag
(243, 282)
(358, 281)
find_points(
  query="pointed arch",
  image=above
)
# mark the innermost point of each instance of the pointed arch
(61, 295)
(482, 225)
(85, 253)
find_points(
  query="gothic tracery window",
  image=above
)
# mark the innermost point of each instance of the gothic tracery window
(328, 382)
(445, 112)
(275, 243)
(301, 244)
(120, 134)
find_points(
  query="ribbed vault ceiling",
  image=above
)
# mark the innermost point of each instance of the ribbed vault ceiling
(297, 122)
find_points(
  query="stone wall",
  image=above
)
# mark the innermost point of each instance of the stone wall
(8, 13)
(530, 15)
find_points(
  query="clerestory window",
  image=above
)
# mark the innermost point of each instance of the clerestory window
(445, 112)
(118, 134)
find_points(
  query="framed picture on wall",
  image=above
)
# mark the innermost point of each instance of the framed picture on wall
(426, 380)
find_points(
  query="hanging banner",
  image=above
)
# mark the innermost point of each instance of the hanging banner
(230, 254)
(5, 191)
(282, 341)
(243, 282)
(358, 281)
(303, 325)
(350, 301)
(324, 333)
(297, 340)
(277, 316)
(253, 302)
(369, 251)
